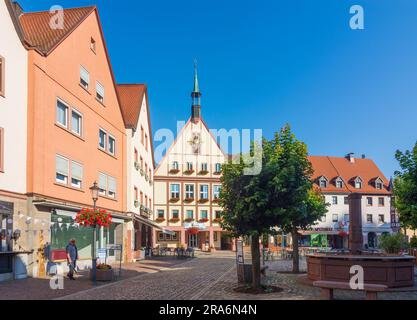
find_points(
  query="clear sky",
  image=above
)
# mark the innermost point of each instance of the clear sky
(269, 62)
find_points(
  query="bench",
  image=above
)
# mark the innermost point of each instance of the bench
(327, 287)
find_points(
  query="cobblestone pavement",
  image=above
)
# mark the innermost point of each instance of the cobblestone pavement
(39, 289)
(213, 277)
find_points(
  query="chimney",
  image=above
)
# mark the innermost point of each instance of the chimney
(363, 156)
(351, 157)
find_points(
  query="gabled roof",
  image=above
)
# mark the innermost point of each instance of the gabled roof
(38, 33)
(333, 167)
(131, 98)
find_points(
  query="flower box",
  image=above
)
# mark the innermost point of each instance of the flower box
(174, 199)
(189, 171)
(189, 220)
(217, 220)
(217, 173)
(188, 199)
(174, 171)
(103, 273)
(160, 219)
(203, 200)
(203, 220)
(174, 220)
(203, 172)
(216, 200)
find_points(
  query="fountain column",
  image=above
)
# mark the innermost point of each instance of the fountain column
(355, 223)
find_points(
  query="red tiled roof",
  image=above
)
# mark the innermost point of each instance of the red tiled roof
(131, 97)
(38, 32)
(333, 167)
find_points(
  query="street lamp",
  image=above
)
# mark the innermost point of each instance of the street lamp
(94, 195)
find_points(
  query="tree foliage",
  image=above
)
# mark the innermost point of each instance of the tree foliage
(405, 187)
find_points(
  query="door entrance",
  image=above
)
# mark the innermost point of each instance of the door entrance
(193, 240)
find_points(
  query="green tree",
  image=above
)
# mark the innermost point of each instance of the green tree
(247, 211)
(405, 187)
(296, 203)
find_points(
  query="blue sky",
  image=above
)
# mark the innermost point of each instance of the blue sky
(266, 63)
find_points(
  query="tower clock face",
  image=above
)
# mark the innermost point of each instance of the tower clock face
(195, 142)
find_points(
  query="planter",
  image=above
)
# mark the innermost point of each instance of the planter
(203, 172)
(160, 220)
(203, 200)
(103, 275)
(174, 220)
(188, 200)
(188, 220)
(174, 200)
(189, 172)
(174, 171)
(203, 220)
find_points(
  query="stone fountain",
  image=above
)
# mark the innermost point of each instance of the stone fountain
(394, 271)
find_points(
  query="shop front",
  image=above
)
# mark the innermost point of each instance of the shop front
(143, 237)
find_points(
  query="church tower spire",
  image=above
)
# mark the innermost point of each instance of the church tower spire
(196, 97)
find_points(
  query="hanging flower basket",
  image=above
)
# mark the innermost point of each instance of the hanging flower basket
(93, 217)
(193, 230)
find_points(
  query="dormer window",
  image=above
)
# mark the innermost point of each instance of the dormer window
(323, 182)
(358, 183)
(379, 184)
(189, 166)
(339, 183)
(175, 165)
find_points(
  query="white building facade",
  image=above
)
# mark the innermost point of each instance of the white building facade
(13, 141)
(140, 167)
(187, 187)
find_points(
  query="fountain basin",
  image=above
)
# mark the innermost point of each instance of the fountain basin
(392, 271)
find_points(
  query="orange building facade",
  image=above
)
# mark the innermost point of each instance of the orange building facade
(76, 136)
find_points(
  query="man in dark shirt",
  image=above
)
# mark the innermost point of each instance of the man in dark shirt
(72, 257)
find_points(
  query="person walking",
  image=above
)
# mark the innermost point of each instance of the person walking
(72, 257)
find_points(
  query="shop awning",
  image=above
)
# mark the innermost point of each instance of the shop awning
(327, 232)
(148, 222)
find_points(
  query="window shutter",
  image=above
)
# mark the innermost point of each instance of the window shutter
(100, 89)
(112, 184)
(84, 74)
(102, 181)
(62, 165)
(76, 171)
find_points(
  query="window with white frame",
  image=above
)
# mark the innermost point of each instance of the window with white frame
(161, 214)
(218, 167)
(99, 92)
(76, 175)
(204, 166)
(175, 191)
(346, 200)
(76, 122)
(369, 201)
(204, 191)
(189, 191)
(84, 77)
(381, 201)
(102, 184)
(216, 191)
(190, 214)
(189, 166)
(102, 138)
(339, 183)
(111, 187)
(112, 145)
(175, 214)
(369, 218)
(323, 182)
(381, 219)
(203, 214)
(358, 183)
(62, 113)
(334, 200)
(62, 169)
(175, 165)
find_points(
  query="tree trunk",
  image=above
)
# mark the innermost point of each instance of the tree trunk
(256, 263)
(295, 257)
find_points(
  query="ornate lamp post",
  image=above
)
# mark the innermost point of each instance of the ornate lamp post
(94, 195)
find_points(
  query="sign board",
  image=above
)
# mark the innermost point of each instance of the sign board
(114, 247)
(239, 252)
(101, 254)
(198, 225)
